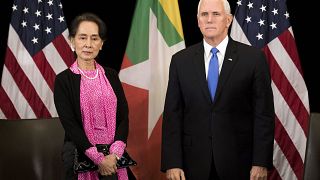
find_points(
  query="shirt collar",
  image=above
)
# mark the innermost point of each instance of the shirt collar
(222, 46)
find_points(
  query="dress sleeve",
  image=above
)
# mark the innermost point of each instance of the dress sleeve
(94, 155)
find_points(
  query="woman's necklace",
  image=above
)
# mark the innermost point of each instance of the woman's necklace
(95, 76)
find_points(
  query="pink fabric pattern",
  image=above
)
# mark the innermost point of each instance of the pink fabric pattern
(98, 110)
(94, 155)
(117, 148)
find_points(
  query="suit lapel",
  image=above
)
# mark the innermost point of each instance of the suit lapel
(198, 61)
(230, 59)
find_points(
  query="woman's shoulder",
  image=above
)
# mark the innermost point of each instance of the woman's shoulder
(110, 71)
(64, 73)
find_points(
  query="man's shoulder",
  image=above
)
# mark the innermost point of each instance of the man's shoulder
(191, 49)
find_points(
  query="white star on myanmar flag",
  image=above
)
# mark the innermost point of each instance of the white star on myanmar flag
(140, 75)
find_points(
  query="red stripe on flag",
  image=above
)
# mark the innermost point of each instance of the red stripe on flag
(6, 106)
(45, 68)
(64, 49)
(25, 86)
(288, 148)
(138, 134)
(125, 62)
(289, 94)
(274, 175)
(288, 42)
(154, 153)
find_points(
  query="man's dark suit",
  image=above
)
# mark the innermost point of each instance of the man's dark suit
(236, 130)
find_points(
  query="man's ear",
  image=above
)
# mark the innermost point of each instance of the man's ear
(229, 20)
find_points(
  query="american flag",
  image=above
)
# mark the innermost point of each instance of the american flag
(265, 24)
(37, 50)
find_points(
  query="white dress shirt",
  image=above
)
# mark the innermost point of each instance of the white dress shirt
(220, 54)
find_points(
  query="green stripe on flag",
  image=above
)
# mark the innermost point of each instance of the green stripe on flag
(138, 42)
(137, 46)
(168, 31)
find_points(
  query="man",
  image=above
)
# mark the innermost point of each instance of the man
(226, 135)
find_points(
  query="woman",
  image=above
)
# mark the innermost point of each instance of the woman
(91, 104)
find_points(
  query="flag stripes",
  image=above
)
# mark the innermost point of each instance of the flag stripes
(286, 38)
(288, 148)
(286, 89)
(24, 85)
(275, 37)
(282, 166)
(155, 35)
(6, 105)
(37, 50)
(44, 68)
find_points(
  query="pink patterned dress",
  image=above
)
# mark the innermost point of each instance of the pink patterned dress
(98, 104)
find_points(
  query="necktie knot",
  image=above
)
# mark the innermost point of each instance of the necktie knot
(214, 51)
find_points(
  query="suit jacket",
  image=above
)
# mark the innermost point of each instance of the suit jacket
(232, 133)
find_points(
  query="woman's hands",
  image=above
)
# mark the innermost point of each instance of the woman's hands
(109, 165)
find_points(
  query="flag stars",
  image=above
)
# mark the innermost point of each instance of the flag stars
(259, 36)
(50, 3)
(38, 13)
(49, 16)
(24, 23)
(61, 18)
(239, 3)
(286, 15)
(14, 7)
(36, 26)
(248, 19)
(60, 5)
(263, 8)
(48, 30)
(275, 11)
(25, 10)
(250, 5)
(261, 22)
(39, 1)
(273, 25)
(35, 40)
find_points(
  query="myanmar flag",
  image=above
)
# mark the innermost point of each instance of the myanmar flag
(156, 34)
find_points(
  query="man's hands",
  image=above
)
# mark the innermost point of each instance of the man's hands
(108, 166)
(175, 174)
(258, 173)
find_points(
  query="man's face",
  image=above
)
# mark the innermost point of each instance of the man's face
(213, 20)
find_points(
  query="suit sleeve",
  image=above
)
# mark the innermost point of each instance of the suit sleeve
(171, 154)
(264, 115)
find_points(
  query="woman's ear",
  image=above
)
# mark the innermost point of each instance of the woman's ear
(72, 44)
(101, 46)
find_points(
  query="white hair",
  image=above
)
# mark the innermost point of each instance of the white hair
(226, 6)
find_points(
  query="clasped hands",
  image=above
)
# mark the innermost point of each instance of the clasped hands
(108, 166)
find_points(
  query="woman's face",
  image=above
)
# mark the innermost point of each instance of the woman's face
(87, 41)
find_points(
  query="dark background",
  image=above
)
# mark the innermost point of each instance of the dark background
(118, 15)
